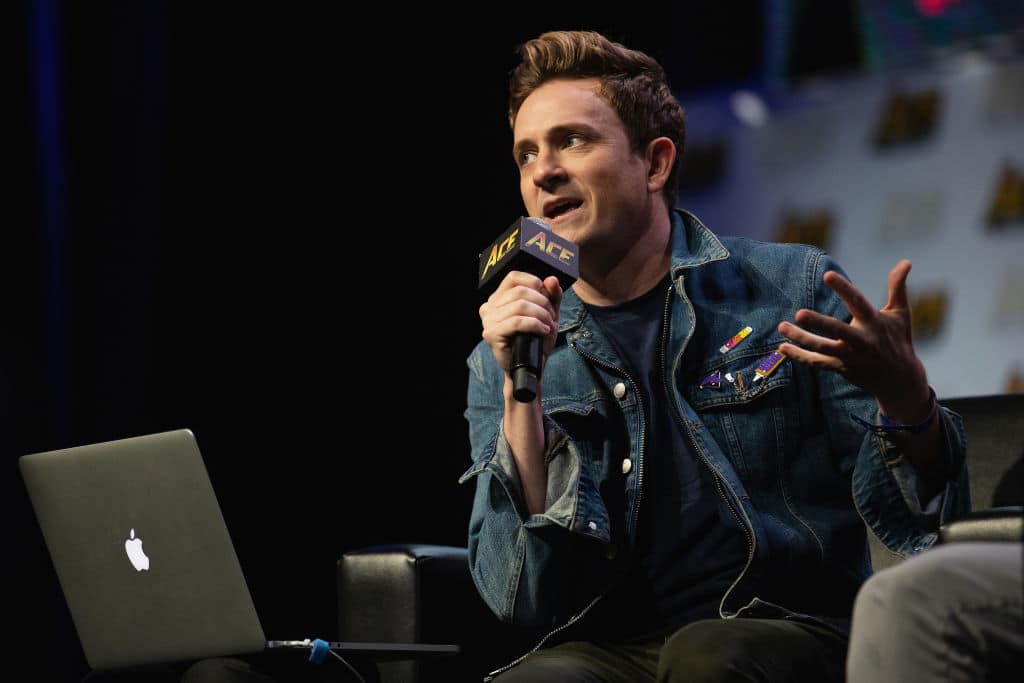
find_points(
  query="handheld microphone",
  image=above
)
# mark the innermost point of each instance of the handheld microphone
(528, 245)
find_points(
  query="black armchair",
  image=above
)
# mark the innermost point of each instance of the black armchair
(424, 593)
(416, 593)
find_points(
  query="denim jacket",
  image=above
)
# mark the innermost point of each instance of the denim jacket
(800, 474)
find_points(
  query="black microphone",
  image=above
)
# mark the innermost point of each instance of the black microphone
(530, 246)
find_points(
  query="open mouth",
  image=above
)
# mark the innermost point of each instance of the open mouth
(561, 207)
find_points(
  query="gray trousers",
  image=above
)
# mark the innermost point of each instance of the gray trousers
(952, 613)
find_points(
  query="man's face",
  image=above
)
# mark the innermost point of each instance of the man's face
(576, 169)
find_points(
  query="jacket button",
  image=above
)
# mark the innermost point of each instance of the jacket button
(619, 390)
(627, 465)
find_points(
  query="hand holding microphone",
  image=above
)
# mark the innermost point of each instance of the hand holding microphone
(523, 309)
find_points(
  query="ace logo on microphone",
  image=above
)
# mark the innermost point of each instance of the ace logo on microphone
(550, 247)
(529, 245)
(499, 251)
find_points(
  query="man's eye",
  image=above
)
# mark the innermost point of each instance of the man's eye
(574, 140)
(526, 157)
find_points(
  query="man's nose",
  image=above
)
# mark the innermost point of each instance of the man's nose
(548, 171)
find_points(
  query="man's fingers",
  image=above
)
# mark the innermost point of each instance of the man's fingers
(518, 278)
(810, 341)
(554, 292)
(520, 308)
(504, 296)
(830, 327)
(817, 360)
(505, 329)
(898, 286)
(859, 305)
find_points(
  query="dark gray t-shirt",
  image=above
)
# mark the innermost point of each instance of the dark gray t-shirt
(689, 548)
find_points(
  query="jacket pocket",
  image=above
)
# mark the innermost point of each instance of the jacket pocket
(602, 441)
(591, 425)
(736, 382)
(754, 422)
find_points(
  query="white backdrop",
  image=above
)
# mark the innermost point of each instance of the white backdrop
(927, 200)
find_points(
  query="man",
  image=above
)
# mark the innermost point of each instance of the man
(686, 496)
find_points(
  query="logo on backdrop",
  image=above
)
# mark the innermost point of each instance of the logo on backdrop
(907, 118)
(813, 227)
(1015, 381)
(1007, 205)
(930, 312)
(133, 548)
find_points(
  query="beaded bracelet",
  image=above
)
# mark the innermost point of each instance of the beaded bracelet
(892, 426)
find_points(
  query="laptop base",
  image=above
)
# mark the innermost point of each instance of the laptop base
(379, 652)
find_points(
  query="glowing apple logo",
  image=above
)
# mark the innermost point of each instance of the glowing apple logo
(133, 546)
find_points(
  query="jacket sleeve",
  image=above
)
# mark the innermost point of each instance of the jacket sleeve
(883, 489)
(522, 564)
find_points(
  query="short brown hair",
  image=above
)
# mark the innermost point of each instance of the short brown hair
(632, 83)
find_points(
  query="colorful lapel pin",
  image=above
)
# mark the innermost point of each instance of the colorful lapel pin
(737, 338)
(714, 380)
(767, 365)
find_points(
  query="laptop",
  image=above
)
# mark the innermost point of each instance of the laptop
(145, 560)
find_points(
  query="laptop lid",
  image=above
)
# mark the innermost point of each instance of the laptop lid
(142, 552)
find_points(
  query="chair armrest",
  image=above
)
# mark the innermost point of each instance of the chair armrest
(990, 524)
(382, 592)
(414, 593)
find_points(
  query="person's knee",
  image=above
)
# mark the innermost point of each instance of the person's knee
(705, 651)
(744, 650)
(579, 662)
(907, 588)
(877, 594)
(548, 668)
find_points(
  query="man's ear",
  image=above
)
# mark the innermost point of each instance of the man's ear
(661, 155)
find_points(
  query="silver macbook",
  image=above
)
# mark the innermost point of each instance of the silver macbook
(144, 558)
(142, 552)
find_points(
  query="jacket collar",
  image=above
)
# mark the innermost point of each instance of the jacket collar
(693, 245)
